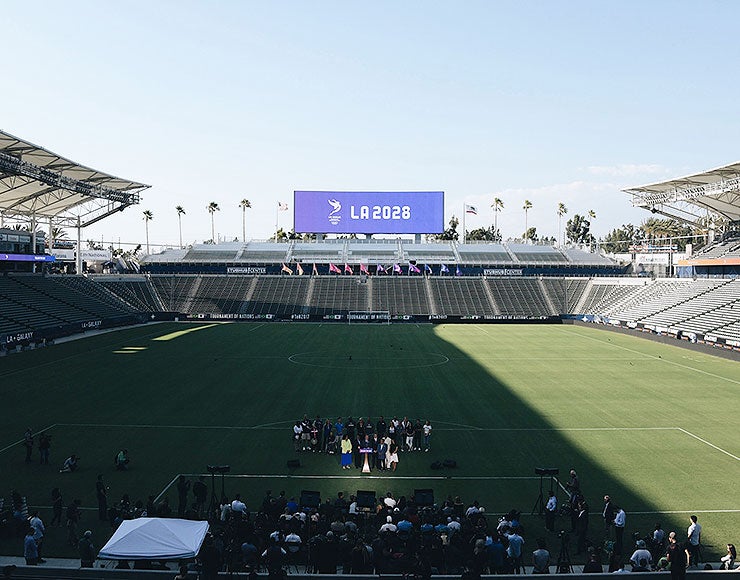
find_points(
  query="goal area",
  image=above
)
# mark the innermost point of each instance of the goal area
(369, 317)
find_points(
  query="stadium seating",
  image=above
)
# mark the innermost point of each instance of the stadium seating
(134, 291)
(702, 306)
(520, 297)
(466, 297)
(400, 295)
(339, 294)
(281, 295)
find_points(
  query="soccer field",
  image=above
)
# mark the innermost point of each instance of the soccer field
(654, 426)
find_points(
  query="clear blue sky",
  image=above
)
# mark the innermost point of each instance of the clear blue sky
(216, 101)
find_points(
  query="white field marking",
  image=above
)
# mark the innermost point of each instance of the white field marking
(658, 358)
(272, 426)
(684, 512)
(22, 440)
(435, 477)
(735, 457)
(164, 491)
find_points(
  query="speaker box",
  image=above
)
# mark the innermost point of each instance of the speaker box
(450, 463)
(424, 497)
(310, 499)
(293, 463)
(366, 499)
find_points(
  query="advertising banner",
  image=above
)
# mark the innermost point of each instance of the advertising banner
(369, 212)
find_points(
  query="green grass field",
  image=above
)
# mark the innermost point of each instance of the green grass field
(657, 427)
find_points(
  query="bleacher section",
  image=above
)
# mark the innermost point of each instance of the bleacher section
(221, 253)
(400, 295)
(264, 252)
(31, 302)
(175, 291)
(565, 293)
(729, 247)
(281, 295)
(428, 253)
(519, 297)
(134, 291)
(339, 294)
(702, 306)
(372, 252)
(457, 297)
(484, 254)
(537, 254)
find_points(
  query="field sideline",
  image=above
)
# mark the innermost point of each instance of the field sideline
(653, 425)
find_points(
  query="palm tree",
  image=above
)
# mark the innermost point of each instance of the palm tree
(526, 207)
(497, 206)
(212, 209)
(180, 213)
(562, 210)
(148, 216)
(244, 204)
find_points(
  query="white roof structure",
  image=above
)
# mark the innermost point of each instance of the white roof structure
(36, 183)
(155, 539)
(716, 191)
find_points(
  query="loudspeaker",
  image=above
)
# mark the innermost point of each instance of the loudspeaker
(424, 497)
(365, 499)
(310, 499)
(292, 463)
(450, 463)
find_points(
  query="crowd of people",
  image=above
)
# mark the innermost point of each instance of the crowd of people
(380, 441)
(404, 535)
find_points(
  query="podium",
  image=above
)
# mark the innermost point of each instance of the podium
(366, 451)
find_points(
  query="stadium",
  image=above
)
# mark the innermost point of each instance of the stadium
(528, 360)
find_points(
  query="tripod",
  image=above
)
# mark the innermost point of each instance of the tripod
(564, 566)
(213, 506)
(539, 504)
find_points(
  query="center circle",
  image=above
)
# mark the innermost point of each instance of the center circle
(368, 361)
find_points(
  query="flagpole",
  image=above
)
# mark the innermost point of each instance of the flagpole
(277, 215)
(464, 222)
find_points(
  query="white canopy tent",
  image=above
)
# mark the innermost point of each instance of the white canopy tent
(155, 539)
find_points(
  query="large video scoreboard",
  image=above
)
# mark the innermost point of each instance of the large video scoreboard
(369, 212)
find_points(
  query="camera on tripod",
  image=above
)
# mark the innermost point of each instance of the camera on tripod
(218, 468)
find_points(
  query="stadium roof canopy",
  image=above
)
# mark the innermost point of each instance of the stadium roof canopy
(38, 184)
(684, 198)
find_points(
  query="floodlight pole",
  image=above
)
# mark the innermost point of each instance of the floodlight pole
(78, 261)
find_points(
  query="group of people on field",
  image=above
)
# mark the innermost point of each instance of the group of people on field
(381, 441)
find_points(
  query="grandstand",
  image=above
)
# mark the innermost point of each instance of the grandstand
(443, 280)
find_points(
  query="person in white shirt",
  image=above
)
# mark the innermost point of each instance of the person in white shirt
(620, 519)
(694, 539)
(238, 505)
(388, 526)
(641, 553)
(38, 533)
(293, 543)
(427, 429)
(551, 509)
